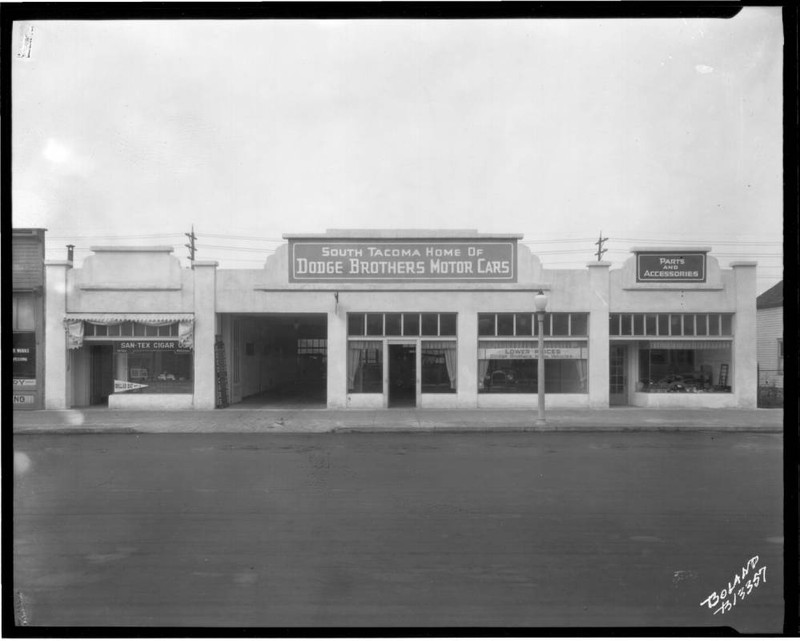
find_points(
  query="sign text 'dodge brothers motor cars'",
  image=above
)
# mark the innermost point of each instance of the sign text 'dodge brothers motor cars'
(480, 260)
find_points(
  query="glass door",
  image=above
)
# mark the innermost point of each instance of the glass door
(402, 363)
(618, 375)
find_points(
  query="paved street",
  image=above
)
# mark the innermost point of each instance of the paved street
(396, 529)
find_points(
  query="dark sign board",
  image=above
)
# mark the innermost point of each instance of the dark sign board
(383, 260)
(671, 267)
(147, 346)
(24, 355)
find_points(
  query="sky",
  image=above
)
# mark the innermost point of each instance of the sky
(653, 132)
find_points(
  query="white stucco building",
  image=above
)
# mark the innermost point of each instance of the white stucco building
(374, 319)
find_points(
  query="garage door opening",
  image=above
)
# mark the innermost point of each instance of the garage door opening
(279, 360)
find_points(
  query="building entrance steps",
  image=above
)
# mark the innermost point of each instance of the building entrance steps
(243, 420)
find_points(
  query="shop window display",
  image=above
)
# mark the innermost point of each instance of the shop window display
(163, 371)
(686, 367)
(510, 367)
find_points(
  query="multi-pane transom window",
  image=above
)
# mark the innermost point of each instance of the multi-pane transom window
(312, 346)
(555, 324)
(130, 329)
(401, 324)
(671, 324)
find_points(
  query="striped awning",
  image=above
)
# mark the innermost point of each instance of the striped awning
(687, 344)
(113, 319)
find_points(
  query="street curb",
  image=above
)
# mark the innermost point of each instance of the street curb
(27, 431)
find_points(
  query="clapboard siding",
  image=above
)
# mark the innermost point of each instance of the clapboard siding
(770, 329)
(27, 262)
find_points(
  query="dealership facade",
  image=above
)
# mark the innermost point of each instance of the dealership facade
(382, 319)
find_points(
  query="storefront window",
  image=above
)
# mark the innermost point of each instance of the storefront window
(510, 367)
(439, 369)
(159, 367)
(365, 367)
(685, 366)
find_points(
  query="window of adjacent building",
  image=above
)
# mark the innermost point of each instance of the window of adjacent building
(511, 367)
(365, 367)
(670, 324)
(780, 354)
(24, 316)
(685, 366)
(439, 369)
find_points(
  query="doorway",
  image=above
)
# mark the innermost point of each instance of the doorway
(402, 375)
(102, 374)
(618, 375)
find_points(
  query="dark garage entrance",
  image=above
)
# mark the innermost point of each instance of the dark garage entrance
(279, 360)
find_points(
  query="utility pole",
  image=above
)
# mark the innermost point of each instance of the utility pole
(191, 247)
(600, 251)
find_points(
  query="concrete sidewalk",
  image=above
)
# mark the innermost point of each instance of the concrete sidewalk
(252, 421)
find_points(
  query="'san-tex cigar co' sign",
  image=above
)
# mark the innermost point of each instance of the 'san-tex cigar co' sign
(379, 260)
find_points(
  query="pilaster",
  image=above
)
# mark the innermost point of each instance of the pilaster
(599, 305)
(205, 328)
(745, 336)
(55, 343)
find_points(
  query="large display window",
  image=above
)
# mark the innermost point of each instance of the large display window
(511, 367)
(685, 366)
(153, 367)
(507, 366)
(141, 353)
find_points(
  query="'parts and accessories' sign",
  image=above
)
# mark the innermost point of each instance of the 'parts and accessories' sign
(380, 260)
(671, 267)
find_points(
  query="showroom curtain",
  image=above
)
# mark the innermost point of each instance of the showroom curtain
(581, 367)
(448, 348)
(483, 367)
(355, 351)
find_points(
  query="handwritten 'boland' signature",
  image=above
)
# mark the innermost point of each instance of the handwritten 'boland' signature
(738, 589)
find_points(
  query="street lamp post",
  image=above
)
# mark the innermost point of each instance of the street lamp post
(540, 303)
